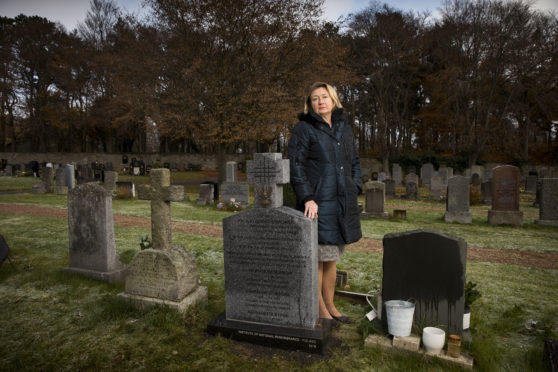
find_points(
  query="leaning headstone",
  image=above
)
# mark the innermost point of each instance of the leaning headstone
(206, 194)
(505, 197)
(390, 188)
(436, 186)
(111, 178)
(457, 202)
(165, 274)
(411, 186)
(91, 234)
(232, 189)
(426, 172)
(531, 184)
(548, 208)
(375, 200)
(271, 268)
(397, 174)
(60, 188)
(429, 267)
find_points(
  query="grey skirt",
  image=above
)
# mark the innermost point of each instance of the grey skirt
(330, 252)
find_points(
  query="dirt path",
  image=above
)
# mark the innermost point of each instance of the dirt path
(504, 256)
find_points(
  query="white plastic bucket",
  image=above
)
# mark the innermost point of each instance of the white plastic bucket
(400, 317)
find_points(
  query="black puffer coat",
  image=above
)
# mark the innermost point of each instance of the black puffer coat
(325, 167)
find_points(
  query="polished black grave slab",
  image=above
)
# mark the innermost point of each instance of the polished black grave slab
(308, 340)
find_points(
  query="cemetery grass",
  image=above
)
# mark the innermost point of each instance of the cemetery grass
(52, 320)
(17, 183)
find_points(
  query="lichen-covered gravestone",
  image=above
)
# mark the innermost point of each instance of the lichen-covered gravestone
(111, 178)
(91, 234)
(505, 197)
(271, 267)
(457, 203)
(429, 267)
(165, 274)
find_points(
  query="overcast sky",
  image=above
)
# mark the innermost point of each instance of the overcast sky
(70, 12)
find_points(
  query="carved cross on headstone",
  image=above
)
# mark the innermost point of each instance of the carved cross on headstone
(268, 172)
(161, 193)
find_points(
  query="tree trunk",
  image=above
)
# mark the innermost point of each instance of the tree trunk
(221, 162)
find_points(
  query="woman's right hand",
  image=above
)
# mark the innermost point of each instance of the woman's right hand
(311, 209)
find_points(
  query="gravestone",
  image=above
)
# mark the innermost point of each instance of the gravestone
(110, 180)
(70, 176)
(47, 177)
(397, 174)
(426, 172)
(390, 188)
(505, 197)
(457, 202)
(206, 194)
(411, 186)
(443, 173)
(548, 208)
(60, 188)
(164, 274)
(487, 174)
(4, 250)
(375, 200)
(477, 169)
(129, 186)
(537, 201)
(232, 189)
(531, 184)
(382, 176)
(486, 192)
(271, 268)
(91, 234)
(9, 170)
(429, 267)
(436, 186)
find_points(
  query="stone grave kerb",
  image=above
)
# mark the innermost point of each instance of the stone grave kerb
(161, 193)
(268, 172)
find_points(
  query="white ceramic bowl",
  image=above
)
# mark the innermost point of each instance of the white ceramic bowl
(433, 339)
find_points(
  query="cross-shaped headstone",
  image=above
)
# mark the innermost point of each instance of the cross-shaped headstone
(161, 193)
(268, 172)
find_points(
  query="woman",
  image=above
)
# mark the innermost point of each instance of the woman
(325, 175)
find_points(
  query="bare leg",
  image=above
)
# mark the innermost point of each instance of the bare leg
(328, 286)
(323, 309)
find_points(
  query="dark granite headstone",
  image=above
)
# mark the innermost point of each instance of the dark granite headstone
(505, 197)
(411, 186)
(206, 194)
(4, 250)
(375, 200)
(426, 172)
(429, 267)
(390, 188)
(486, 192)
(531, 183)
(271, 268)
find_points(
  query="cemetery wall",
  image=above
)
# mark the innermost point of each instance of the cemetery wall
(207, 162)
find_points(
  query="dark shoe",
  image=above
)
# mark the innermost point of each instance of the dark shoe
(330, 322)
(342, 319)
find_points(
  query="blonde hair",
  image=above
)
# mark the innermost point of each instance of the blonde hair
(330, 90)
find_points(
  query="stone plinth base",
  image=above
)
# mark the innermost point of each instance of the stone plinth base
(411, 343)
(460, 217)
(308, 340)
(400, 213)
(514, 218)
(547, 222)
(374, 215)
(60, 190)
(199, 296)
(115, 276)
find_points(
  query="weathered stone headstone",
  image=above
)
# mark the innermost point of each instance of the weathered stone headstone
(60, 188)
(232, 189)
(271, 267)
(47, 177)
(91, 234)
(429, 267)
(548, 204)
(426, 173)
(397, 174)
(110, 180)
(70, 176)
(436, 187)
(206, 194)
(9, 170)
(505, 197)
(444, 173)
(486, 191)
(531, 184)
(457, 202)
(411, 186)
(390, 188)
(165, 274)
(375, 200)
